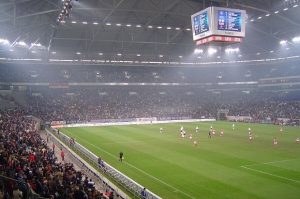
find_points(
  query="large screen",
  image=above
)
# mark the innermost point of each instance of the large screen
(218, 22)
(229, 20)
(201, 23)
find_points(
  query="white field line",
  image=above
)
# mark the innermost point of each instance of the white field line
(162, 182)
(273, 162)
(270, 174)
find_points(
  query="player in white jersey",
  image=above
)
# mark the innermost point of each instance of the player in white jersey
(197, 129)
(249, 131)
(297, 140)
(191, 136)
(222, 133)
(161, 130)
(195, 143)
(275, 142)
(233, 127)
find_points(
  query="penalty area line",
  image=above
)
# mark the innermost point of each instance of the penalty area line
(270, 174)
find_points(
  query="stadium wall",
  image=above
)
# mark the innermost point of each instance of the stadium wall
(137, 122)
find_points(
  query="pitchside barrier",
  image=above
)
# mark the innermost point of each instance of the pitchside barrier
(122, 180)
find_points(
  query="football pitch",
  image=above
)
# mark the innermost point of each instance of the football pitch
(223, 167)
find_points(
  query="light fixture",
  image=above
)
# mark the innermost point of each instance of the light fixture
(138, 26)
(78, 53)
(285, 9)
(267, 14)
(138, 55)
(53, 52)
(108, 24)
(180, 56)
(118, 24)
(73, 22)
(271, 51)
(283, 42)
(177, 28)
(296, 39)
(95, 23)
(211, 51)
(276, 12)
(295, 6)
(198, 51)
(100, 54)
(84, 22)
(119, 54)
(128, 25)
(258, 53)
(4, 42)
(259, 17)
(232, 50)
(159, 27)
(188, 29)
(160, 56)
(252, 20)
(169, 28)
(150, 26)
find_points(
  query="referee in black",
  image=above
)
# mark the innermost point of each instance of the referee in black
(121, 156)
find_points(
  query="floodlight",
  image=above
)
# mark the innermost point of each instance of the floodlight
(198, 51)
(296, 39)
(283, 42)
(211, 51)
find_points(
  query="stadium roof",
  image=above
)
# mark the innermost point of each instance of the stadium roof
(139, 29)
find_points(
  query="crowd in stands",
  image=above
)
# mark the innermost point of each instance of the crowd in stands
(86, 105)
(25, 157)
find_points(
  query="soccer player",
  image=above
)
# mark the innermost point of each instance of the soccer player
(195, 143)
(209, 134)
(275, 142)
(233, 126)
(250, 137)
(298, 140)
(121, 156)
(214, 132)
(197, 129)
(191, 136)
(249, 131)
(222, 133)
(161, 130)
(281, 129)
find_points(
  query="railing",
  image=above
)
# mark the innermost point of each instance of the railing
(10, 187)
(121, 180)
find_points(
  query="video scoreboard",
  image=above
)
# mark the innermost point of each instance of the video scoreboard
(216, 21)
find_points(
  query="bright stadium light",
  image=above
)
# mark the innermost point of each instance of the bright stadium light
(21, 43)
(267, 15)
(177, 28)
(159, 27)
(188, 29)
(295, 6)
(283, 42)
(198, 51)
(138, 55)
(169, 28)
(259, 17)
(180, 56)
(84, 22)
(138, 26)
(285, 9)
(4, 42)
(232, 50)
(160, 56)
(100, 54)
(74, 22)
(108, 24)
(150, 26)
(119, 54)
(95, 23)
(128, 25)
(252, 20)
(276, 12)
(296, 39)
(78, 53)
(211, 51)
(118, 24)
(53, 52)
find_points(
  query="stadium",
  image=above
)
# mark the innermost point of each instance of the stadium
(150, 99)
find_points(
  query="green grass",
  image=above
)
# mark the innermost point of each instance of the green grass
(225, 167)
